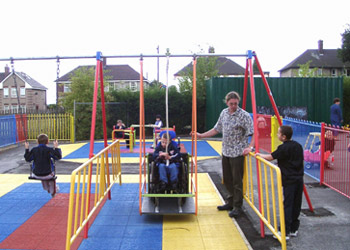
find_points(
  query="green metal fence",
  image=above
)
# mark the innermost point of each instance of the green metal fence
(303, 98)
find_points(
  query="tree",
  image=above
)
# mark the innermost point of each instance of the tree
(305, 71)
(344, 52)
(207, 67)
(82, 89)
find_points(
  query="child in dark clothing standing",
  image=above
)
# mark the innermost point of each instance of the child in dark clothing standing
(290, 159)
(43, 165)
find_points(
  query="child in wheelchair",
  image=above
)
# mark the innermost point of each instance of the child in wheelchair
(166, 157)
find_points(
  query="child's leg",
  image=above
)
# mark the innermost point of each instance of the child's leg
(162, 173)
(298, 197)
(288, 200)
(45, 185)
(52, 187)
(174, 172)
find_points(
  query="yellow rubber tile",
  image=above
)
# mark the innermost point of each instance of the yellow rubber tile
(176, 220)
(9, 182)
(69, 148)
(216, 145)
(223, 243)
(210, 229)
(182, 230)
(183, 243)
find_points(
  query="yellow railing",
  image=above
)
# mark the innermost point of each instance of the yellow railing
(270, 186)
(98, 169)
(56, 126)
(131, 133)
(275, 142)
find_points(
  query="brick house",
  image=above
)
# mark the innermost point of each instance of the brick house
(325, 60)
(118, 77)
(32, 94)
(227, 68)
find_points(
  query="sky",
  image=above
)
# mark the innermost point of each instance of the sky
(278, 31)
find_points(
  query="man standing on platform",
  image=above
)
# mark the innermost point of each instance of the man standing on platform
(235, 125)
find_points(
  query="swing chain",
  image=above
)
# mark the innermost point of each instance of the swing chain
(56, 120)
(19, 109)
(58, 67)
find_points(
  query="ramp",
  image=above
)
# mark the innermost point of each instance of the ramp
(168, 206)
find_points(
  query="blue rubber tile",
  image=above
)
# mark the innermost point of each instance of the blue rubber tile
(141, 243)
(100, 243)
(115, 211)
(6, 229)
(17, 218)
(135, 220)
(126, 188)
(203, 148)
(29, 210)
(144, 232)
(29, 188)
(5, 207)
(123, 197)
(2, 237)
(103, 231)
(111, 220)
(117, 203)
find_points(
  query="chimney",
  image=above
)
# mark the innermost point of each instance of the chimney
(7, 70)
(320, 47)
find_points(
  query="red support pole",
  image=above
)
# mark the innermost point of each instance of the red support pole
(245, 87)
(103, 107)
(268, 90)
(322, 153)
(272, 100)
(92, 136)
(252, 90)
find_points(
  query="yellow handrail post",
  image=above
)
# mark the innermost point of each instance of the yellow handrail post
(274, 129)
(72, 135)
(80, 189)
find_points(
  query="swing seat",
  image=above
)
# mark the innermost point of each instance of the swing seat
(31, 177)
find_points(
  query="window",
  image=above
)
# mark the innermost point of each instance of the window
(319, 72)
(66, 88)
(6, 109)
(346, 72)
(23, 91)
(13, 92)
(106, 88)
(111, 86)
(6, 92)
(23, 109)
(133, 86)
(333, 72)
(14, 109)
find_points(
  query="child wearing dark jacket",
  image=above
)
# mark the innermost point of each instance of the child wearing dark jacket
(165, 155)
(290, 159)
(42, 157)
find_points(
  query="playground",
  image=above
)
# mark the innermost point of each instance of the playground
(103, 204)
(30, 219)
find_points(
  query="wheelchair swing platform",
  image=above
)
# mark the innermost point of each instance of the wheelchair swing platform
(168, 206)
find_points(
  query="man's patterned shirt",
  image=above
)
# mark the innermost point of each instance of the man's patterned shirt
(235, 129)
